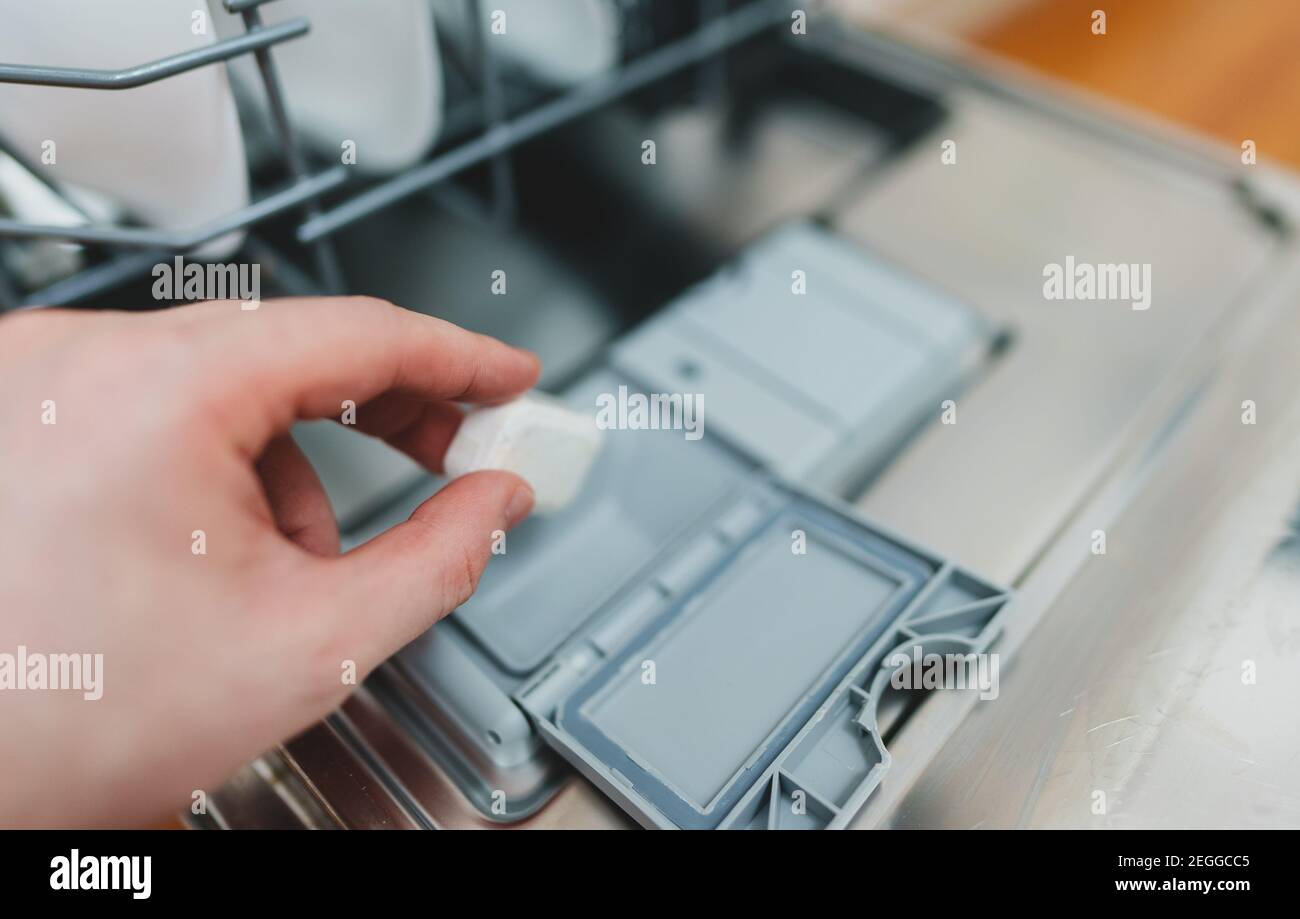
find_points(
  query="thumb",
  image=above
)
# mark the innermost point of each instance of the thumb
(389, 590)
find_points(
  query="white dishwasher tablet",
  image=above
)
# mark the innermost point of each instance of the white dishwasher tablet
(549, 446)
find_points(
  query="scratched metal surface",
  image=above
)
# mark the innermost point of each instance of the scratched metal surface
(1124, 674)
(1163, 675)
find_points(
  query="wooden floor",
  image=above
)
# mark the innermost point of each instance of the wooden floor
(1229, 69)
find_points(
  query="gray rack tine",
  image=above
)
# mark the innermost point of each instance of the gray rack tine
(131, 77)
(712, 76)
(709, 39)
(97, 278)
(293, 196)
(238, 6)
(503, 190)
(326, 262)
(9, 298)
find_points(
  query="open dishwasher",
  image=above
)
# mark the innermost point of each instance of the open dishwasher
(840, 238)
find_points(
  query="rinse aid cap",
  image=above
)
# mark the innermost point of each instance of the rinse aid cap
(547, 444)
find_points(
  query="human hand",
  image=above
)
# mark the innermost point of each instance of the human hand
(170, 423)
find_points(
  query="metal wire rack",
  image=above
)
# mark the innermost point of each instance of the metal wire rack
(131, 251)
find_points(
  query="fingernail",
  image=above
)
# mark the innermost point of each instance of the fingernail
(521, 502)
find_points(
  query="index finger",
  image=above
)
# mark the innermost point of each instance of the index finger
(297, 359)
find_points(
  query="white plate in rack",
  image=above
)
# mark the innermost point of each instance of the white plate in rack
(368, 72)
(558, 42)
(170, 153)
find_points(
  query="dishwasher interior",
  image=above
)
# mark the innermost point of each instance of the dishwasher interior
(866, 317)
